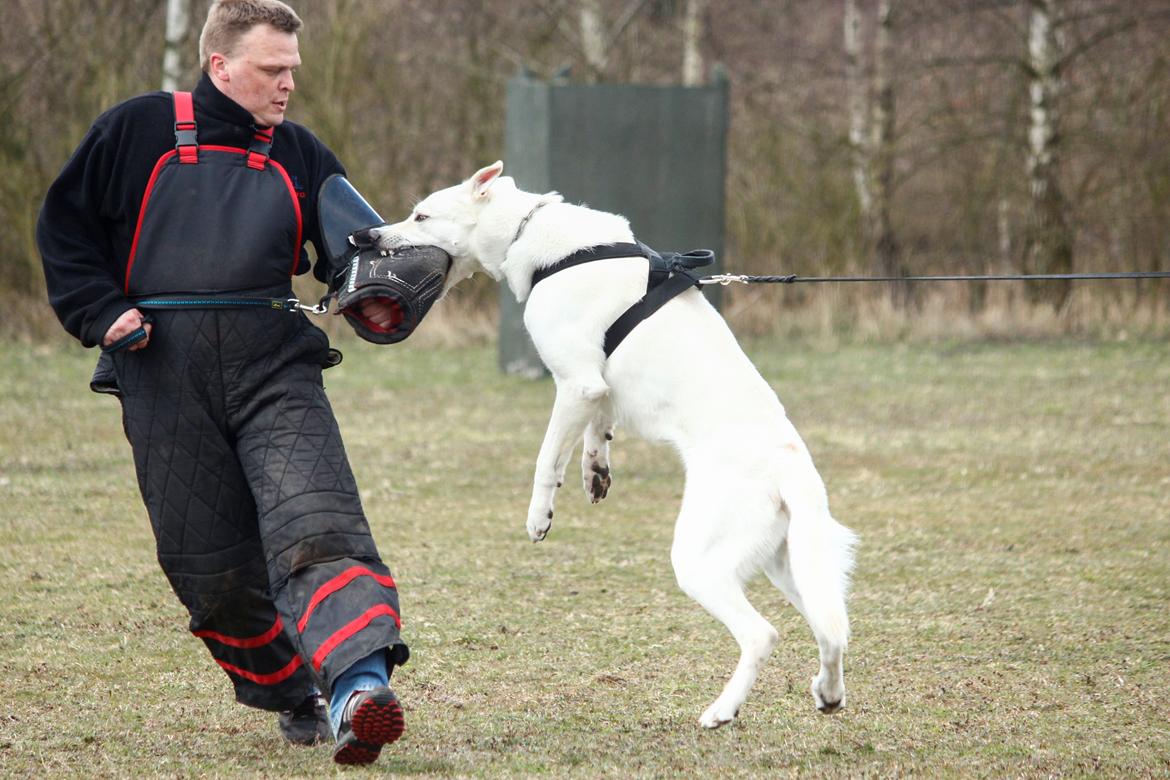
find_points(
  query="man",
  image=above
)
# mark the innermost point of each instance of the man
(254, 508)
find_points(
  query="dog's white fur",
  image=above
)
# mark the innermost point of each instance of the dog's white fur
(753, 499)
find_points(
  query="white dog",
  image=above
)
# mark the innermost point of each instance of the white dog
(753, 499)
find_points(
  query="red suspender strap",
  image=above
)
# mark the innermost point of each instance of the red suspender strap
(186, 140)
(260, 148)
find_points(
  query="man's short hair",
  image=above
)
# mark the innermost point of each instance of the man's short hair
(228, 21)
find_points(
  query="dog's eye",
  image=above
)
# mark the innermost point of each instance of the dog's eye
(420, 217)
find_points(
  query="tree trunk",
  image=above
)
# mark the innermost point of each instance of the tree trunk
(692, 67)
(1048, 244)
(858, 110)
(174, 63)
(593, 43)
(884, 241)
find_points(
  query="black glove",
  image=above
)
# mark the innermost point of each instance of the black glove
(409, 278)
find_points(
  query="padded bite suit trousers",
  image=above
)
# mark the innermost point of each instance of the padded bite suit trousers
(255, 511)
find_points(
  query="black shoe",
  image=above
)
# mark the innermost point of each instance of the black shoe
(307, 723)
(370, 720)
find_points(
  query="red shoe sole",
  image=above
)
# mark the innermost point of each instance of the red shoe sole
(357, 754)
(378, 721)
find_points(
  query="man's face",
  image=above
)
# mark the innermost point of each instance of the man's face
(259, 74)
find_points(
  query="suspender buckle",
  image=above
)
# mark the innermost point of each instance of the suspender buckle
(187, 142)
(259, 149)
(185, 139)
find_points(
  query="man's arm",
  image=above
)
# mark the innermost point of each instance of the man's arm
(76, 249)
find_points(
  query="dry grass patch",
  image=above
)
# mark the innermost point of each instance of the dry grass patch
(1010, 610)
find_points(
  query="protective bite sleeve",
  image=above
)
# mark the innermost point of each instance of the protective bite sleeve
(409, 279)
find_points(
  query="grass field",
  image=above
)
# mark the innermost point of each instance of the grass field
(1011, 609)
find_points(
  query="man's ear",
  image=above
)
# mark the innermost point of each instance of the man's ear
(217, 67)
(482, 181)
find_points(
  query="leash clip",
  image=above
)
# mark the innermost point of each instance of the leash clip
(723, 279)
(294, 304)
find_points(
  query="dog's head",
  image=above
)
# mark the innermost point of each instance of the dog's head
(456, 221)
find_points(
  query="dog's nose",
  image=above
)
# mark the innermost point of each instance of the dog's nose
(364, 237)
(378, 237)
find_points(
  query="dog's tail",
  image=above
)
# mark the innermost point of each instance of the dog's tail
(820, 557)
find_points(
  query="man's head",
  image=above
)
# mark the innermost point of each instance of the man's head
(249, 49)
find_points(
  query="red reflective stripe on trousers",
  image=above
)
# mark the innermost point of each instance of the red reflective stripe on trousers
(336, 584)
(264, 679)
(351, 628)
(248, 643)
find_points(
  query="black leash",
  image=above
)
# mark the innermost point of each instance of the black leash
(726, 279)
(289, 304)
(211, 302)
(672, 274)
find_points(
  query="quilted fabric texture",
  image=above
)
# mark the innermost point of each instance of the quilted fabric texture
(248, 488)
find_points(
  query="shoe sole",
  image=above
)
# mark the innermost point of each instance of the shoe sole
(378, 721)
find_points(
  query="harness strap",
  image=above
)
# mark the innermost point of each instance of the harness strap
(260, 148)
(669, 276)
(654, 299)
(186, 137)
(588, 255)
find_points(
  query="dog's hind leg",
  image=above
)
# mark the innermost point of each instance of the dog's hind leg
(595, 470)
(828, 687)
(575, 405)
(811, 569)
(712, 561)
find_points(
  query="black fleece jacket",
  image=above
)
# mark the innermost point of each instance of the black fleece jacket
(86, 225)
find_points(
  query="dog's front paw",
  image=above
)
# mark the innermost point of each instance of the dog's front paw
(538, 525)
(597, 480)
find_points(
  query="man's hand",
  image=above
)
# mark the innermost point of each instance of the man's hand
(129, 322)
(383, 312)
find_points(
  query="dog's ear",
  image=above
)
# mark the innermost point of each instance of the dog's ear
(481, 182)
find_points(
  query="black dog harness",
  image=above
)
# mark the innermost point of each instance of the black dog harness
(670, 275)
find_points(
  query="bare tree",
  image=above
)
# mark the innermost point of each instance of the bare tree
(885, 243)
(593, 37)
(175, 49)
(599, 39)
(692, 67)
(415, 104)
(871, 138)
(858, 109)
(1048, 243)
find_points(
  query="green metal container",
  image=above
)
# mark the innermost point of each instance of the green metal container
(656, 155)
